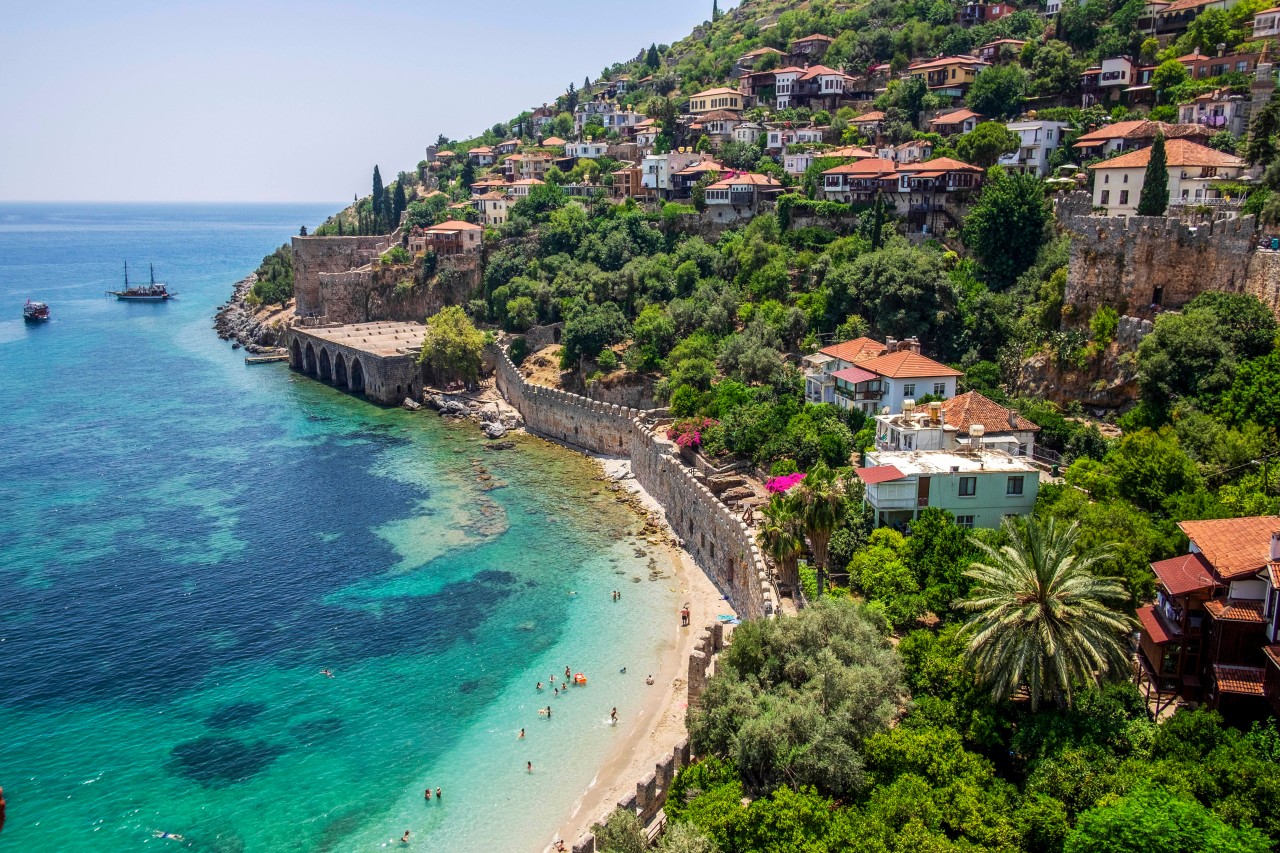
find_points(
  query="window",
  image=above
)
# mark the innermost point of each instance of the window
(1126, 178)
(908, 442)
(1015, 486)
(1124, 196)
(1106, 197)
(964, 521)
(939, 388)
(909, 389)
(1106, 179)
(968, 487)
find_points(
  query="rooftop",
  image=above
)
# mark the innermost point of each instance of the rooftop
(971, 408)
(955, 117)
(949, 462)
(1137, 129)
(720, 91)
(1239, 679)
(855, 350)
(1235, 547)
(874, 115)
(384, 339)
(905, 364)
(1188, 573)
(1236, 610)
(1178, 152)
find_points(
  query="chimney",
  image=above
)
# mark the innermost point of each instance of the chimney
(890, 345)
(912, 343)
(1275, 547)
(1013, 419)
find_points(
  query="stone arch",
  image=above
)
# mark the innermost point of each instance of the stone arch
(295, 355)
(309, 364)
(357, 376)
(326, 367)
(340, 370)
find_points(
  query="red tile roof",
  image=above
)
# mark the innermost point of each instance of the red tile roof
(1235, 610)
(455, 225)
(874, 115)
(1273, 573)
(853, 375)
(1137, 129)
(941, 165)
(855, 350)
(1273, 653)
(1152, 625)
(905, 364)
(554, 140)
(944, 61)
(879, 474)
(1235, 547)
(1184, 574)
(1179, 152)
(971, 408)
(821, 71)
(955, 117)
(814, 37)
(750, 178)
(868, 167)
(1239, 679)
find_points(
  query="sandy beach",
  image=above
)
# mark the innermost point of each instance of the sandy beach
(651, 731)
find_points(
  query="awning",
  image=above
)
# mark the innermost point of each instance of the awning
(854, 375)
(1152, 626)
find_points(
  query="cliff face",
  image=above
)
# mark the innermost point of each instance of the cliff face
(1135, 263)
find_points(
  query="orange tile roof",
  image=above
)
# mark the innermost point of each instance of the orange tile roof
(973, 408)
(1188, 573)
(761, 51)
(1137, 129)
(1235, 610)
(483, 149)
(1273, 574)
(1273, 653)
(944, 61)
(1235, 547)
(1239, 679)
(554, 140)
(868, 167)
(720, 91)
(821, 71)
(790, 69)
(855, 350)
(874, 115)
(1178, 152)
(747, 178)
(849, 151)
(945, 164)
(879, 474)
(905, 364)
(955, 117)
(455, 225)
(1179, 5)
(814, 37)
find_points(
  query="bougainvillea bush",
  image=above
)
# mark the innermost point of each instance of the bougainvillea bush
(778, 485)
(687, 433)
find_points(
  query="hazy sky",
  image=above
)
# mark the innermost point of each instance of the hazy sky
(282, 101)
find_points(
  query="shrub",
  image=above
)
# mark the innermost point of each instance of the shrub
(519, 351)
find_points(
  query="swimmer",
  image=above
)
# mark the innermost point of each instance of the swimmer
(521, 735)
(648, 679)
(553, 679)
(566, 673)
(427, 795)
(437, 793)
(539, 687)
(529, 765)
(623, 670)
(327, 673)
(172, 836)
(404, 839)
(557, 691)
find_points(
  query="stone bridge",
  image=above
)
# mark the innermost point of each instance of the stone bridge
(378, 360)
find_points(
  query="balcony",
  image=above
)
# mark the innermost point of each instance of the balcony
(1212, 121)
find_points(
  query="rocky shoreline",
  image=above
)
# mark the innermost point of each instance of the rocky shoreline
(237, 322)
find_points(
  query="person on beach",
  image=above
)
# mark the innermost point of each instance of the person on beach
(684, 615)
(521, 735)
(613, 716)
(623, 671)
(648, 679)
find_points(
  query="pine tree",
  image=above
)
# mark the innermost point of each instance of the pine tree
(651, 59)
(398, 202)
(586, 83)
(376, 198)
(1155, 183)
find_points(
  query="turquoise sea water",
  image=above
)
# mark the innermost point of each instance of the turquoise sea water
(186, 542)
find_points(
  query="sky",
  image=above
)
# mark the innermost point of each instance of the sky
(282, 101)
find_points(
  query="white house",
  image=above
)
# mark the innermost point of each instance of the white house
(1217, 110)
(482, 156)
(747, 133)
(657, 169)
(1117, 71)
(785, 86)
(493, 207)
(739, 197)
(998, 422)
(821, 365)
(1117, 183)
(869, 384)
(1266, 24)
(1037, 140)
(586, 150)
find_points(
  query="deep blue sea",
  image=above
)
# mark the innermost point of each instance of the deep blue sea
(187, 541)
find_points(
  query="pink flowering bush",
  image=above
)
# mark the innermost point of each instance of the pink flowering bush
(687, 433)
(778, 485)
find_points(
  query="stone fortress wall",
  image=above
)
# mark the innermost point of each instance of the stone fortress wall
(1131, 263)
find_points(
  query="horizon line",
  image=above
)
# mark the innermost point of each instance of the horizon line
(158, 201)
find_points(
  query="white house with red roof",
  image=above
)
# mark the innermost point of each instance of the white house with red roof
(868, 376)
(1193, 172)
(1266, 24)
(739, 196)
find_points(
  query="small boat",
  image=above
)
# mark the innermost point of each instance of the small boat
(153, 292)
(35, 312)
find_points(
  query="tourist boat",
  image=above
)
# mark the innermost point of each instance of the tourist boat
(153, 292)
(35, 312)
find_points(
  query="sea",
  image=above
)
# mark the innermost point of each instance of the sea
(187, 542)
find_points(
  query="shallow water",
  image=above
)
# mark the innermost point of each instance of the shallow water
(187, 542)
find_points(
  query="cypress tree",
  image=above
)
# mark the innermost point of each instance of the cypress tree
(1155, 183)
(376, 198)
(340, 234)
(586, 83)
(468, 176)
(715, 11)
(398, 202)
(651, 59)
(877, 238)
(388, 206)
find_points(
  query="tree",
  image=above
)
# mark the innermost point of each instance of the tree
(986, 144)
(822, 508)
(1185, 356)
(1168, 74)
(780, 537)
(1155, 183)
(1254, 394)
(468, 175)
(998, 92)
(622, 832)
(398, 203)
(1149, 467)
(1042, 621)
(1152, 820)
(590, 330)
(379, 214)
(452, 346)
(651, 59)
(715, 10)
(1007, 226)
(1260, 149)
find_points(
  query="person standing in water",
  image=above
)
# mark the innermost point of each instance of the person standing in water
(613, 716)
(521, 735)
(405, 838)
(427, 795)
(529, 765)
(437, 793)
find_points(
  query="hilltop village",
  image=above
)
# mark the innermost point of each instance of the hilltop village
(945, 335)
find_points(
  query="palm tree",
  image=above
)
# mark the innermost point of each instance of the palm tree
(779, 537)
(1041, 618)
(822, 508)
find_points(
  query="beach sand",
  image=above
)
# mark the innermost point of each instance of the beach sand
(649, 733)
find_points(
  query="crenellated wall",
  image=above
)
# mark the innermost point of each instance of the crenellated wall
(716, 538)
(315, 255)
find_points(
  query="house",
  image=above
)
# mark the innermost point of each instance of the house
(1132, 135)
(810, 48)
(979, 487)
(520, 189)
(683, 180)
(998, 422)
(822, 87)
(487, 185)
(454, 237)
(786, 86)
(720, 124)
(869, 124)
(955, 122)
(981, 12)
(821, 366)
(657, 170)
(1266, 24)
(739, 196)
(627, 182)
(749, 59)
(1202, 67)
(647, 133)
(716, 99)
(934, 195)
(1217, 110)
(530, 166)
(482, 156)
(950, 76)
(586, 150)
(857, 182)
(911, 151)
(511, 146)
(779, 137)
(748, 133)
(1001, 51)
(1173, 18)
(1037, 140)
(541, 117)
(1193, 169)
(757, 87)
(493, 207)
(1211, 634)
(796, 163)
(901, 373)
(554, 142)
(444, 158)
